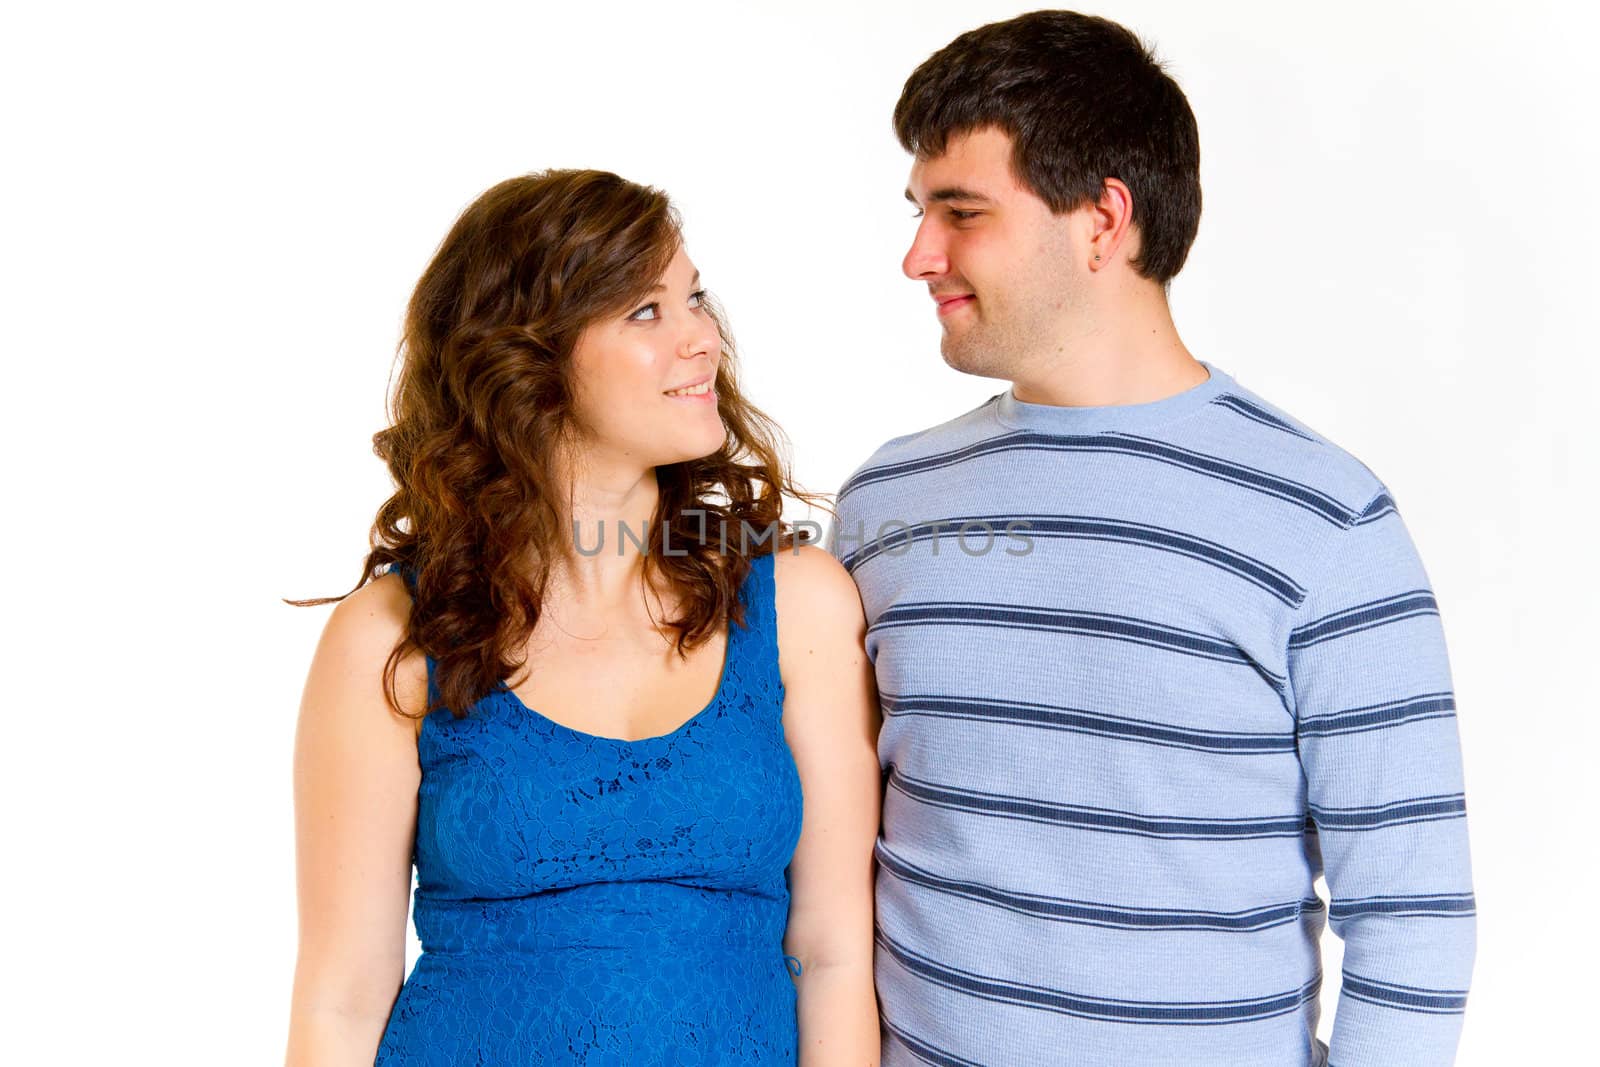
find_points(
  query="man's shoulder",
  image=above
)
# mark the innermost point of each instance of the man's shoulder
(1260, 434)
(940, 439)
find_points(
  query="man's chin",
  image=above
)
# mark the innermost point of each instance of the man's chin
(969, 358)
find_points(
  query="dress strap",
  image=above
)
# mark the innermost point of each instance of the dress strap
(757, 594)
(760, 636)
(408, 575)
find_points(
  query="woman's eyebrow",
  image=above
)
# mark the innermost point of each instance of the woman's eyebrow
(656, 288)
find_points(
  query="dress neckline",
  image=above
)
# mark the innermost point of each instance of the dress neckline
(716, 700)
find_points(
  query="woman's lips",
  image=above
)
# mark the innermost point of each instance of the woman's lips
(707, 397)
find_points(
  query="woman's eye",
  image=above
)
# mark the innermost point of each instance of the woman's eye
(699, 298)
(917, 214)
(640, 316)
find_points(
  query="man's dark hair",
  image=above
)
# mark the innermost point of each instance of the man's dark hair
(1083, 99)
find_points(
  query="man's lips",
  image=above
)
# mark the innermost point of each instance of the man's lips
(951, 301)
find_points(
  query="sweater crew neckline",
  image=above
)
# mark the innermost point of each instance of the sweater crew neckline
(1056, 418)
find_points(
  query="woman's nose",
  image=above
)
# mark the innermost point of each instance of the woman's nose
(701, 339)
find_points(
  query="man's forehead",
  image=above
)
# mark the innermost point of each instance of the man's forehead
(974, 165)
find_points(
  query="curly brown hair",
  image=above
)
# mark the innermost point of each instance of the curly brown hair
(484, 403)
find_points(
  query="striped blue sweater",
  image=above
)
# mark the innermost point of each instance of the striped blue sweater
(1147, 671)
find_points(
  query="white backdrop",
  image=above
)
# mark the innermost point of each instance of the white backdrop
(214, 214)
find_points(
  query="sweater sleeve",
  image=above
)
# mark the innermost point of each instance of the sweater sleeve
(847, 532)
(1375, 719)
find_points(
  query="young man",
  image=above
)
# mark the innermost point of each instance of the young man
(1152, 653)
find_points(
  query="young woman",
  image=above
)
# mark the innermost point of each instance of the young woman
(618, 716)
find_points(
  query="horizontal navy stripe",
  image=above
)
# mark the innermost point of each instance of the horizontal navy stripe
(1099, 820)
(1395, 813)
(1089, 913)
(926, 1052)
(1380, 716)
(1405, 998)
(1075, 720)
(1170, 1013)
(1292, 492)
(994, 528)
(1088, 623)
(1381, 505)
(1442, 904)
(1297, 493)
(1364, 617)
(1257, 413)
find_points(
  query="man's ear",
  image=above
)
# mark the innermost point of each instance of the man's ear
(1111, 225)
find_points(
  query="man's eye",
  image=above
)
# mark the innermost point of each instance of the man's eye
(640, 316)
(959, 216)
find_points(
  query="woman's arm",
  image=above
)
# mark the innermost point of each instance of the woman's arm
(355, 792)
(830, 716)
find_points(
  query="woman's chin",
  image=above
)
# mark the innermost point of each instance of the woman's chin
(687, 451)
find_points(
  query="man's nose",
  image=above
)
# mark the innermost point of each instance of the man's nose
(926, 257)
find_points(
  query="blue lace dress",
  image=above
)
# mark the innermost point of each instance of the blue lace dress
(586, 900)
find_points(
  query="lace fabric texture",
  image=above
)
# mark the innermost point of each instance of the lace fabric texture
(589, 901)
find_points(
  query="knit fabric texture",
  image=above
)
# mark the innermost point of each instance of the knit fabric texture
(1147, 671)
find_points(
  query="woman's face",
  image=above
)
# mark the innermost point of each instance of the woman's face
(631, 371)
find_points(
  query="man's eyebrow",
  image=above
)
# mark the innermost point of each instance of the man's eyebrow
(952, 192)
(693, 283)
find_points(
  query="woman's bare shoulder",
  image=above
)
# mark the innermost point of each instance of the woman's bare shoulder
(820, 618)
(813, 585)
(356, 642)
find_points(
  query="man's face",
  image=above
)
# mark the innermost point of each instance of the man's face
(1000, 266)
